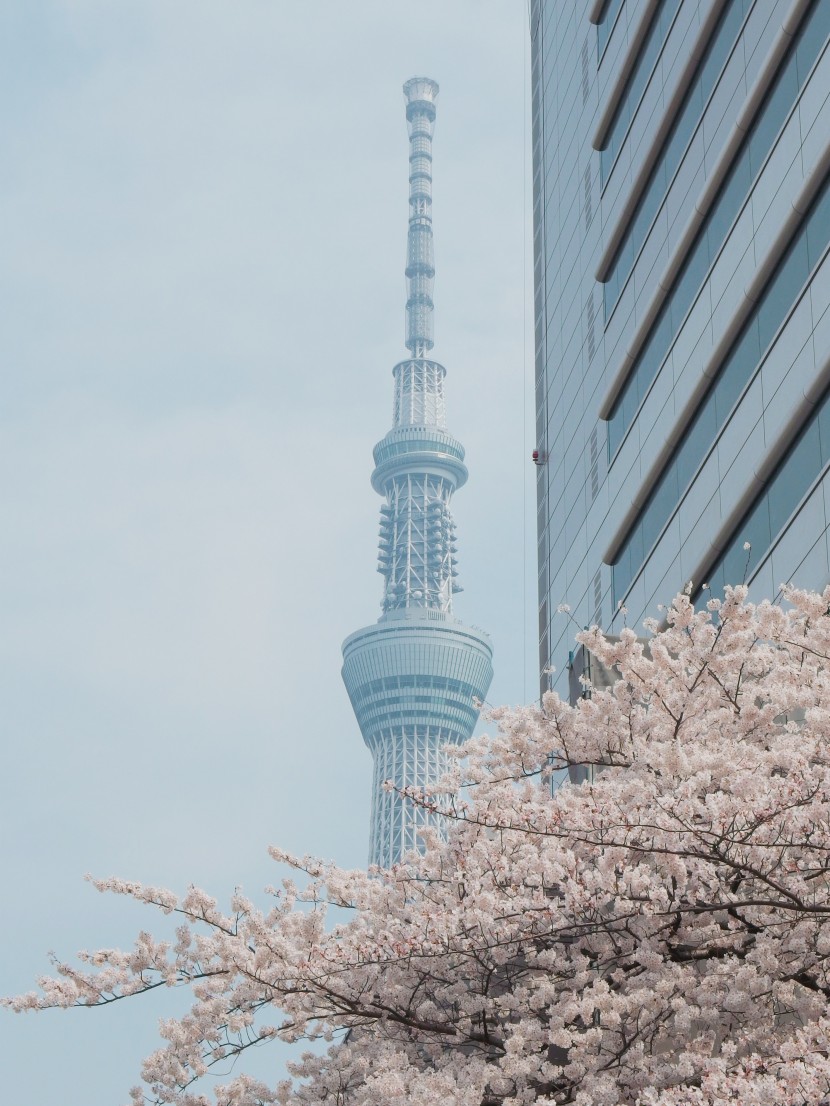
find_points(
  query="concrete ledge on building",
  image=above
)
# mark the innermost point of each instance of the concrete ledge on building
(789, 26)
(759, 477)
(651, 155)
(612, 98)
(799, 207)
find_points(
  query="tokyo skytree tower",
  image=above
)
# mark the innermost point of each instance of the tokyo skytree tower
(413, 676)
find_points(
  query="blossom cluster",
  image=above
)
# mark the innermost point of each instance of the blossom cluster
(658, 934)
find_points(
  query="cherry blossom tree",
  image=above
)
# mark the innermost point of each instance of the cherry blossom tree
(659, 934)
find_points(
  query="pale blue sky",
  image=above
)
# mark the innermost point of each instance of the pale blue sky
(203, 213)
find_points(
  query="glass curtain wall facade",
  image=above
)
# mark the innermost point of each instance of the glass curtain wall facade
(681, 157)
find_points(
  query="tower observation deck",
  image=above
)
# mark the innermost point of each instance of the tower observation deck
(414, 675)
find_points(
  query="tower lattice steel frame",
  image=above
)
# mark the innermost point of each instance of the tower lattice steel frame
(413, 677)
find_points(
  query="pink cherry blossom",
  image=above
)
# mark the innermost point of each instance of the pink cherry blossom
(658, 935)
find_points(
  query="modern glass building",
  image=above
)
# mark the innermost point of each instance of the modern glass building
(681, 151)
(415, 675)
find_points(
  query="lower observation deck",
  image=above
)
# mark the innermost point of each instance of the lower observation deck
(417, 664)
(413, 679)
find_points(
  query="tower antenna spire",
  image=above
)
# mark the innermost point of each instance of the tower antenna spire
(415, 676)
(420, 93)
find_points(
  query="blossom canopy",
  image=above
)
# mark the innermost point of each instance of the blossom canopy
(657, 935)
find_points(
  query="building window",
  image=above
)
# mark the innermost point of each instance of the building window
(777, 105)
(781, 292)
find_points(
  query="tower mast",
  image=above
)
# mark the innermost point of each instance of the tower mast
(414, 676)
(420, 95)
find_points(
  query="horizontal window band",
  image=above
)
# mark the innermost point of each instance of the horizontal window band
(704, 237)
(749, 348)
(649, 64)
(722, 167)
(413, 685)
(609, 20)
(653, 152)
(632, 55)
(800, 207)
(718, 37)
(732, 534)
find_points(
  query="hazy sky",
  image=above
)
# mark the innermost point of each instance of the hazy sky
(204, 224)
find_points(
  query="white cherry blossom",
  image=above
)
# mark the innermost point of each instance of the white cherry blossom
(659, 935)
